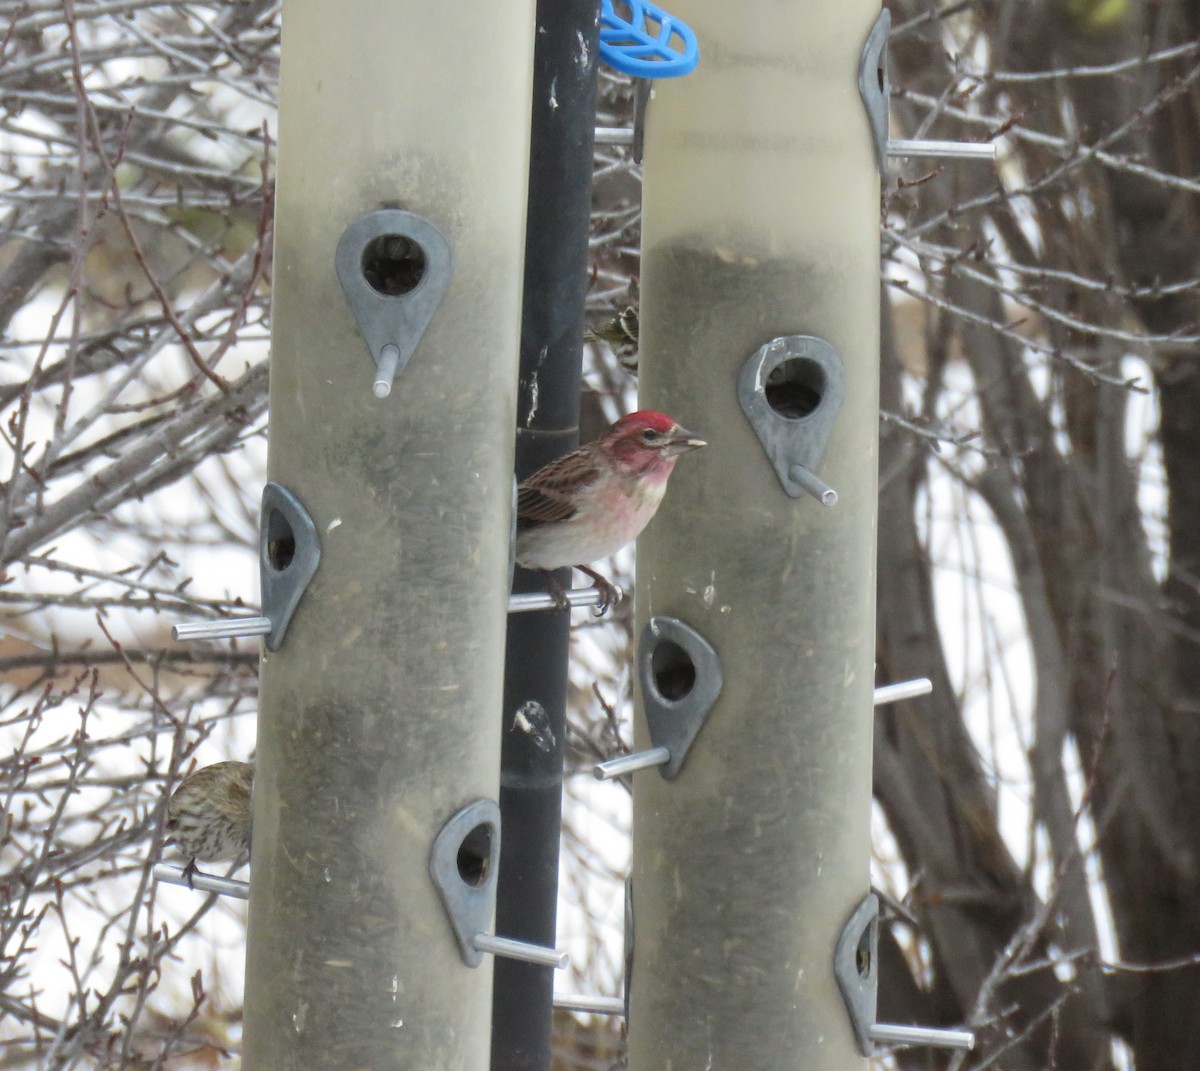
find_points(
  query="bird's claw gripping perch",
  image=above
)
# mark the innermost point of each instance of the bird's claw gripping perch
(555, 590)
(607, 593)
(610, 594)
(189, 873)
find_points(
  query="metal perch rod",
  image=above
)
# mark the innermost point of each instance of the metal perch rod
(229, 628)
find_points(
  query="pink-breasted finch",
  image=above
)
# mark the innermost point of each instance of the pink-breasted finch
(589, 503)
(208, 815)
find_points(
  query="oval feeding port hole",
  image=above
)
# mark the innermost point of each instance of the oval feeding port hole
(475, 856)
(393, 264)
(862, 955)
(794, 387)
(673, 670)
(281, 541)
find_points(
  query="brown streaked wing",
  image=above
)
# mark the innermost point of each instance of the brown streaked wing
(549, 494)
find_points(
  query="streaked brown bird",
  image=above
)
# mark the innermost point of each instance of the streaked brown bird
(621, 333)
(208, 815)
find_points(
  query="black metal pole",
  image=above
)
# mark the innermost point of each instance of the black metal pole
(556, 251)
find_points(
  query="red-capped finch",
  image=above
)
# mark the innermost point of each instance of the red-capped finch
(589, 503)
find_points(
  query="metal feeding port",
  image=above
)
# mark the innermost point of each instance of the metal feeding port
(791, 390)
(680, 675)
(394, 267)
(289, 551)
(463, 865)
(856, 967)
(875, 88)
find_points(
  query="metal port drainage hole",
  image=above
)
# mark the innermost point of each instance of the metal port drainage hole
(673, 670)
(281, 541)
(393, 264)
(795, 387)
(475, 856)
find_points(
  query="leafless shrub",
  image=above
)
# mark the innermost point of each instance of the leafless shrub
(1039, 548)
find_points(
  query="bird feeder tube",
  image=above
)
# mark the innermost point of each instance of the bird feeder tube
(760, 244)
(378, 716)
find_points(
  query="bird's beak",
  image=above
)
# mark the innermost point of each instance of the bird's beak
(682, 441)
